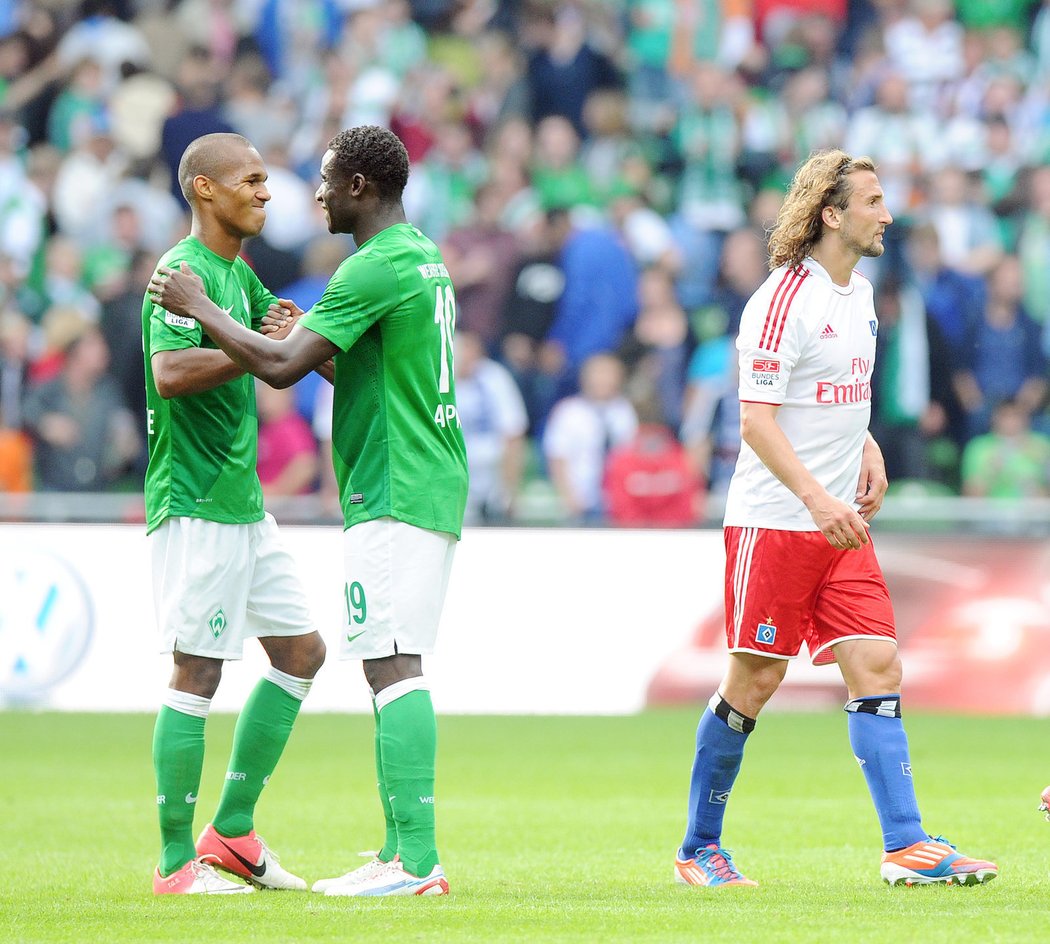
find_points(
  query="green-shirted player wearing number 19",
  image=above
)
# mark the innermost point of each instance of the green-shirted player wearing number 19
(387, 317)
(220, 572)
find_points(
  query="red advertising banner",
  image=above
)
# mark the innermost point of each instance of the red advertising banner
(973, 625)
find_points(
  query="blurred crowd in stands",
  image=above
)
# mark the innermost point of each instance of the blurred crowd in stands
(600, 175)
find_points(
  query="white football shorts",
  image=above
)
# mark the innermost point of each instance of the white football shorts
(215, 585)
(396, 578)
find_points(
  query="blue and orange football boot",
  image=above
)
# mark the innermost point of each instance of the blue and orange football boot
(932, 862)
(711, 867)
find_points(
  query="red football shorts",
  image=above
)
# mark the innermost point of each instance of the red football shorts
(784, 588)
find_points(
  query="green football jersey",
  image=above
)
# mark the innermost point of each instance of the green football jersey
(202, 447)
(397, 444)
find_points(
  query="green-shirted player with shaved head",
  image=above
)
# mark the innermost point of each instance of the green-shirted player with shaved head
(387, 317)
(220, 571)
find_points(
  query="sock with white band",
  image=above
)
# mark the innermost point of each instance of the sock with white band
(262, 731)
(876, 734)
(408, 751)
(189, 704)
(720, 738)
(296, 687)
(178, 758)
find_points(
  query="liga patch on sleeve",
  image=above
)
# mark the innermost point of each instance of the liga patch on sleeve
(179, 321)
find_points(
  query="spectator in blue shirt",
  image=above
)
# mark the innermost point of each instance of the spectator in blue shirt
(1002, 358)
(600, 300)
(953, 300)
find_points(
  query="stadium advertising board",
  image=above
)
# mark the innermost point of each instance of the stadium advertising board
(537, 621)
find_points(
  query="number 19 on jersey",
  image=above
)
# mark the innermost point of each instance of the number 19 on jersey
(445, 318)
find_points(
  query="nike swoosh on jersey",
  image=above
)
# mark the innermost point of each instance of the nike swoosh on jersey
(257, 870)
(350, 638)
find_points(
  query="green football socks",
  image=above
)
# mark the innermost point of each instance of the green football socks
(408, 748)
(389, 849)
(178, 756)
(262, 731)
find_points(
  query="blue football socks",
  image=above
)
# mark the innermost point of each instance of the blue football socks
(876, 734)
(720, 738)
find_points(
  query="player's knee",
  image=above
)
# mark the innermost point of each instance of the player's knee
(321, 655)
(751, 681)
(381, 673)
(749, 695)
(199, 676)
(313, 655)
(893, 674)
(764, 686)
(886, 673)
(299, 656)
(880, 678)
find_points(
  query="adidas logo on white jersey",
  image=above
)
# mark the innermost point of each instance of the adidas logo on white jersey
(827, 333)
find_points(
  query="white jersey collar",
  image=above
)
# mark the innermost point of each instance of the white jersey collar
(817, 269)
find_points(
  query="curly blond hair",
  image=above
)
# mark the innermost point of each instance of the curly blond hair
(824, 180)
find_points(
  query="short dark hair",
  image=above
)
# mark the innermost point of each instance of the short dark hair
(375, 153)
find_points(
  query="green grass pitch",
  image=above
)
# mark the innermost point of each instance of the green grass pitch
(551, 829)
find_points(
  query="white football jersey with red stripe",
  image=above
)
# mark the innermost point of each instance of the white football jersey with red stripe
(807, 345)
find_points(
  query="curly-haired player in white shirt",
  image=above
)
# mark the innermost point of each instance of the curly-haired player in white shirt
(801, 567)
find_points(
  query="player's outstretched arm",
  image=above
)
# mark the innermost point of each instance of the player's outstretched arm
(186, 371)
(839, 523)
(278, 363)
(279, 321)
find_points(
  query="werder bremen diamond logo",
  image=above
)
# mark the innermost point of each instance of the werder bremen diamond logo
(217, 623)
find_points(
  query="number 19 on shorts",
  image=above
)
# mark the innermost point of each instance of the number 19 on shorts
(356, 606)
